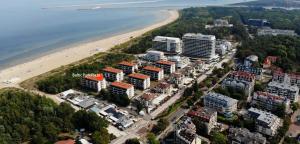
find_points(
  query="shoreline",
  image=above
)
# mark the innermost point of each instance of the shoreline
(12, 76)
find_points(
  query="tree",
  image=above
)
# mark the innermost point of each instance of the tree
(219, 138)
(90, 121)
(132, 141)
(101, 137)
(160, 126)
(295, 106)
(152, 139)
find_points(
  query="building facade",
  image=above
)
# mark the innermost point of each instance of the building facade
(290, 78)
(266, 123)
(167, 44)
(96, 83)
(154, 56)
(284, 90)
(181, 62)
(207, 116)
(185, 132)
(128, 67)
(254, 70)
(155, 73)
(139, 81)
(113, 74)
(221, 103)
(199, 45)
(120, 88)
(244, 136)
(168, 66)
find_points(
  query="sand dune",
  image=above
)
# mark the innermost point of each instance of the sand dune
(12, 76)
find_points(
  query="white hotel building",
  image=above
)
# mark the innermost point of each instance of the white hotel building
(199, 45)
(167, 44)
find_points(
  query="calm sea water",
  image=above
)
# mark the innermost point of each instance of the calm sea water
(31, 28)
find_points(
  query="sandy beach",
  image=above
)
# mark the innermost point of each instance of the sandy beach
(12, 76)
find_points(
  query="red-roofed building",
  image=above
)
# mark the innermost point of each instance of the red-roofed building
(140, 81)
(120, 88)
(241, 75)
(168, 66)
(69, 141)
(269, 60)
(268, 101)
(94, 82)
(155, 73)
(207, 116)
(128, 67)
(113, 74)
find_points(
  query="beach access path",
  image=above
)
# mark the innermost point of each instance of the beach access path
(13, 76)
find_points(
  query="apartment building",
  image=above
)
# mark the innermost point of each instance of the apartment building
(250, 60)
(139, 81)
(284, 90)
(96, 83)
(240, 80)
(120, 88)
(113, 74)
(168, 66)
(244, 136)
(155, 73)
(154, 56)
(128, 67)
(254, 70)
(199, 45)
(268, 101)
(185, 132)
(207, 116)
(180, 62)
(167, 44)
(266, 123)
(221, 103)
(290, 78)
(275, 32)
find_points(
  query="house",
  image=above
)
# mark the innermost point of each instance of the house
(244, 136)
(96, 82)
(221, 103)
(244, 81)
(168, 66)
(185, 132)
(269, 102)
(266, 123)
(120, 88)
(128, 67)
(113, 74)
(155, 73)
(139, 81)
(207, 116)
(163, 88)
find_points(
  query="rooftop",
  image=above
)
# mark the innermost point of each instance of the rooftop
(148, 96)
(243, 74)
(199, 36)
(98, 77)
(112, 70)
(243, 135)
(163, 38)
(212, 95)
(204, 113)
(269, 96)
(267, 119)
(121, 85)
(126, 63)
(152, 68)
(164, 62)
(139, 76)
(163, 85)
(283, 86)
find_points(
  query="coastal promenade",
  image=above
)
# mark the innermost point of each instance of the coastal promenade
(11, 77)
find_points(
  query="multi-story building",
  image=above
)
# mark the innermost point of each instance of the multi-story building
(147, 100)
(155, 73)
(290, 78)
(185, 132)
(240, 80)
(222, 46)
(167, 44)
(207, 116)
(275, 32)
(120, 88)
(222, 23)
(177, 79)
(180, 61)
(140, 81)
(154, 56)
(258, 22)
(199, 45)
(113, 74)
(96, 83)
(164, 88)
(254, 70)
(128, 67)
(168, 66)
(266, 123)
(269, 101)
(244, 136)
(284, 90)
(223, 104)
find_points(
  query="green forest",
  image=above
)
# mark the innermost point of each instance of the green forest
(27, 117)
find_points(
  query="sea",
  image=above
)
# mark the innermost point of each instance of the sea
(33, 28)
